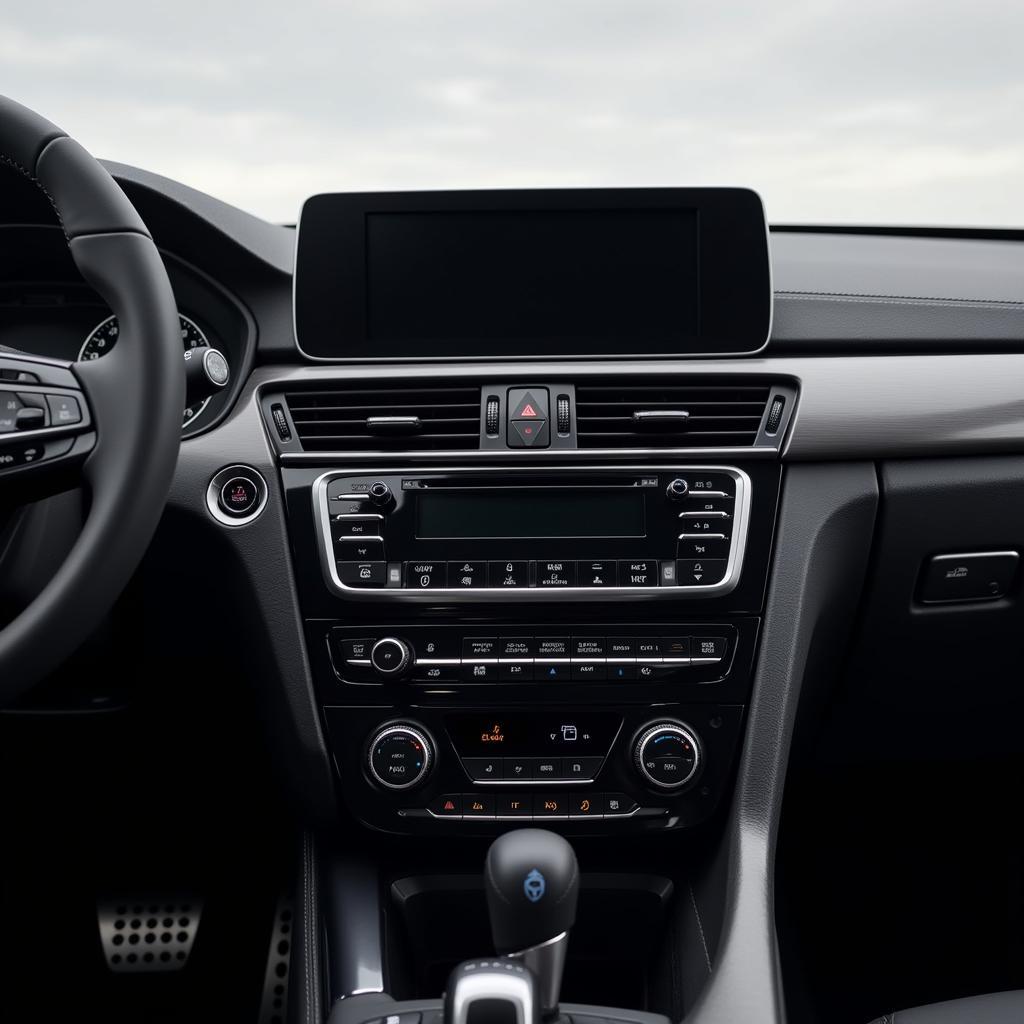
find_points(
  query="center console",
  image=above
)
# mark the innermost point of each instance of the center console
(569, 645)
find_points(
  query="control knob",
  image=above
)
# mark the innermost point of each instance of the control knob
(390, 656)
(380, 494)
(667, 754)
(677, 489)
(400, 756)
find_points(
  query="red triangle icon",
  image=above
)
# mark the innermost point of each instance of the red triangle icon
(528, 412)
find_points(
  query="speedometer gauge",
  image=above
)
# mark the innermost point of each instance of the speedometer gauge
(104, 337)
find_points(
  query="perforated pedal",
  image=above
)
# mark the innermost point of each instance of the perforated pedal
(274, 1004)
(141, 934)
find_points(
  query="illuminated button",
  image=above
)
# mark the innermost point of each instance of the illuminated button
(528, 404)
(581, 767)
(584, 805)
(528, 434)
(360, 549)
(239, 495)
(701, 572)
(596, 574)
(516, 671)
(425, 575)
(479, 671)
(675, 647)
(547, 768)
(556, 574)
(476, 648)
(477, 805)
(621, 671)
(436, 673)
(546, 672)
(618, 804)
(466, 575)
(518, 769)
(648, 647)
(550, 805)
(357, 526)
(709, 648)
(588, 646)
(508, 575)
(508, 806)
(638, 574)
(589, 671)
(552, 647)
(447, 806)
(703, 547)
(359, 649)
(362, 574)
(483, 769)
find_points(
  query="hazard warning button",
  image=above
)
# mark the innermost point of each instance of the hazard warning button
(528, 404)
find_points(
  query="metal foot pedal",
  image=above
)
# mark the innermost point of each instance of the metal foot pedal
(274, 1004)
(141, 934)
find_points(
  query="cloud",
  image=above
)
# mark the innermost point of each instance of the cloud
(874, 112)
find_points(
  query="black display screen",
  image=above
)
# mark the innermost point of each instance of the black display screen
(532, 273)
(565, 276)
(529, 514)
(517, 734)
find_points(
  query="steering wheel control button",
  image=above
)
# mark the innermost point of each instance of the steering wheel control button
(64, 410)
(390, 656)
(10, 406)
(400, 756)
(666, 754)
(239, 496)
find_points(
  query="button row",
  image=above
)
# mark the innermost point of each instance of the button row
(521, 769)
(511, 575)
(460, 806)
(34, 411)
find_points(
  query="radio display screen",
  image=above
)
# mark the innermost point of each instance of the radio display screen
(529, 514)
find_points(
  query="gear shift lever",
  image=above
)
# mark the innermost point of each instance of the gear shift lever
(532, 881)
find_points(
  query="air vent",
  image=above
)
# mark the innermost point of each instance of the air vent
(386, 418)
(670, 414)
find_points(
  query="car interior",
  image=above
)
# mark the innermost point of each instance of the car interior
(504, 606)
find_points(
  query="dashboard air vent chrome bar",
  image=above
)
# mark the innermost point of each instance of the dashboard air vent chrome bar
(383, 417)
(675, 413)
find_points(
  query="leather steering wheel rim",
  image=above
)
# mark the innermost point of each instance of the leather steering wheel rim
(134, 397)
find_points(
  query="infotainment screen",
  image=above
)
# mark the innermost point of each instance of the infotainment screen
(504, 514)
(519, 274)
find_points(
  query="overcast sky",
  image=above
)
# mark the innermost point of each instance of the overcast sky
(856, 111)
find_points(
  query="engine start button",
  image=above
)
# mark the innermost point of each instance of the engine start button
(239, 496)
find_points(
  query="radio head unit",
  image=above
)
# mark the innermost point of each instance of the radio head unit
(563, 533)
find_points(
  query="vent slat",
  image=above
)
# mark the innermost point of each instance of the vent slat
(722, 413)
(335, 419)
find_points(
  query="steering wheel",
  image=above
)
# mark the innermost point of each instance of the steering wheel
(112, 425)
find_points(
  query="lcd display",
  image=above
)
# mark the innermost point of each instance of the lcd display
(538, 275)
(542, 273)
(529, 514)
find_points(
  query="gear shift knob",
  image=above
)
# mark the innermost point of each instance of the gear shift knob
(532, 882)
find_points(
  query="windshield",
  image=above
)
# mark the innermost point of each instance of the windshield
(837, 113)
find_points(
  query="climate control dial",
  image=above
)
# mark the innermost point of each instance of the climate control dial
(667, 754)
(400, 756)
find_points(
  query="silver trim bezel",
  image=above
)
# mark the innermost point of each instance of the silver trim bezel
(737, 550)
(216, 485)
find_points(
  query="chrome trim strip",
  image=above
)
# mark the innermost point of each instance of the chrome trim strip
(521, 454)
(737, 549)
